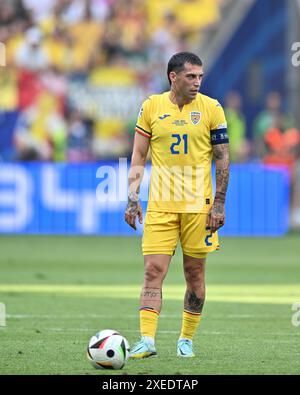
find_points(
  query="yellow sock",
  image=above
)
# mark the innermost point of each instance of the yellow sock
(190, 323)
(148, 322)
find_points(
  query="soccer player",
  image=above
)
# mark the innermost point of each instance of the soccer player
(185, 130)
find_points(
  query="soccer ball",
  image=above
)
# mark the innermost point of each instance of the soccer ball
(108, 349)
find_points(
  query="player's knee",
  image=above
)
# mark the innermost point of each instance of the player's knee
(195, 279)
(154, 271)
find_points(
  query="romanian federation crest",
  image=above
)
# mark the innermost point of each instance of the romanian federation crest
(195, 117)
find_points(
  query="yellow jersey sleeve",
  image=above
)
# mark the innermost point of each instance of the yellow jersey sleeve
(218, 126)
(143, 124)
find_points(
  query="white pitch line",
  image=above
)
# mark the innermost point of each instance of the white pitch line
(210, 333)
(130, 331)
(51, 316)
(132, 316)
(93, 329)
(170, 332)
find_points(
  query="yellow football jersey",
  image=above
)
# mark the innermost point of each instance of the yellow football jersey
(181, 151)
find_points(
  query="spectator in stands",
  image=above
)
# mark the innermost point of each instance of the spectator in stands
(13, 12)
(31, 55)
(236, 126)
(283, 149)
(39, 9)
(40, 132)
(73, 11)
(197, 16)
(272, 117)
(279, 144)
(85, 35)
(79, 140)
(110, 139)
(167, 39)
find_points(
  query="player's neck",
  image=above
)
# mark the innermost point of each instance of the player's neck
(177, 98)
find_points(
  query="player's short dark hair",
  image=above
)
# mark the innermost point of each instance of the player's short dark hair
(178, 60)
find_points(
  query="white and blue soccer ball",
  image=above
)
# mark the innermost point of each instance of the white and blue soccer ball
(108, 349)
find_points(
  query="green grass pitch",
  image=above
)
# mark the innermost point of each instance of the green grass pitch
(59, 291)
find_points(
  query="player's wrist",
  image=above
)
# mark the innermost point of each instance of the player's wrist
(220, 198)
(133, 197)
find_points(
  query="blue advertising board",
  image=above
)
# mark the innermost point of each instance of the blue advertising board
(90, 199)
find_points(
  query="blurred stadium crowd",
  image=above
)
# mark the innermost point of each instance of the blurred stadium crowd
(77, 71)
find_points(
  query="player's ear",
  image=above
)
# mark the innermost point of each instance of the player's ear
(172, 76)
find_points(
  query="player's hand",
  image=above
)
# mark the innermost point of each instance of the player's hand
(133, 210)
(216, 217)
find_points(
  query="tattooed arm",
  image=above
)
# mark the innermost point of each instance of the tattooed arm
(138, 161)
(216, 216)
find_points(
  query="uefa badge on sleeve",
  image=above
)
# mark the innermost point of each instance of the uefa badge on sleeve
(195, 117)
(140, 112)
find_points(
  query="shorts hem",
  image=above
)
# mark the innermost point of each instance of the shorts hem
(193, 253)
(158, 253)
